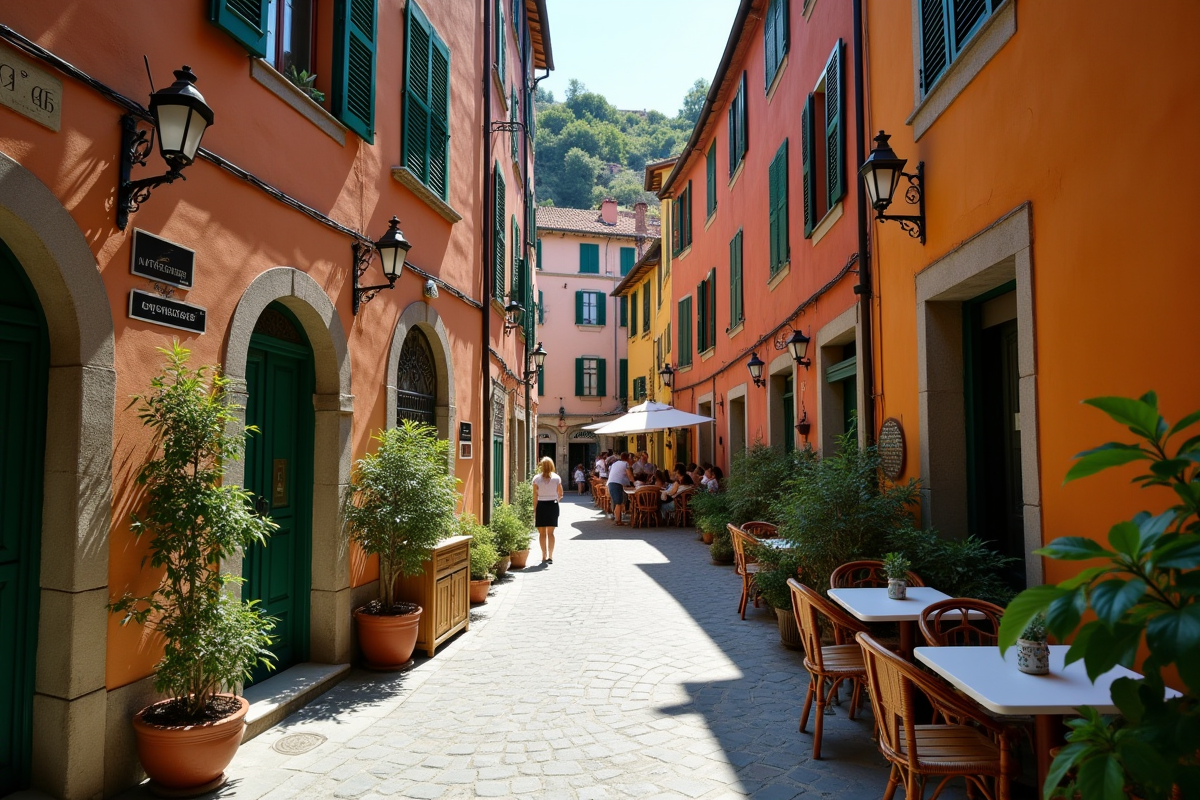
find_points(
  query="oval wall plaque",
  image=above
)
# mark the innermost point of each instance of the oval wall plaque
(891, 448)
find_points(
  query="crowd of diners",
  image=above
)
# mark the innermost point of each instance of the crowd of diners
(622, 471)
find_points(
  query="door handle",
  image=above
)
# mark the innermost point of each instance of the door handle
(262, 506)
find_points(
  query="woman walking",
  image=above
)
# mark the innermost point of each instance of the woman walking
(547, 488)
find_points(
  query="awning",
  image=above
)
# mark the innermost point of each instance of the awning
(650, 416)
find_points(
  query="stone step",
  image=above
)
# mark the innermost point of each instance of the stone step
(280, 695)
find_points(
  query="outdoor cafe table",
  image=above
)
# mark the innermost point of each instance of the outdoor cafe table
(994, 682)
(874, 605)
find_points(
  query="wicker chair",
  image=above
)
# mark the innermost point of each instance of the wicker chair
(644, 509)
(602, 499)
(746, 565)
(960, 621)
(984, 756)
(683, 514)
(835, 663)
(760, 530)
(865, 574)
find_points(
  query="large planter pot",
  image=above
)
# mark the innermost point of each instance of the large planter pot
(518, 558)
(1033, 658)
(501, 566)
(188, 760)
(789, 634)
(706, 537)
(387, 642)
(479, 591)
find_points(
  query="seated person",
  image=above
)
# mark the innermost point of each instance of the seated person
(682, 485)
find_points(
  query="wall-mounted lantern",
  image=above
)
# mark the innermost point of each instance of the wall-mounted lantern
(393, 251)
(539, 359)
(755, 365)
(797, 346)
(180, 117)
(667, 375)
(881, 174)
(514, 315)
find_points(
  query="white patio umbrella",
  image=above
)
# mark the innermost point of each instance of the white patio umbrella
(595, 425)
(648, 417)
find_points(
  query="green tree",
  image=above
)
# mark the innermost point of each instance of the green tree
(578, 176)
(541, 95)
(593, 106)
(693, 102)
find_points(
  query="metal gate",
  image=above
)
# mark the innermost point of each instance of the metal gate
(416, 380)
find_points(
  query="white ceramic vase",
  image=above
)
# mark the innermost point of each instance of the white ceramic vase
(1033, 658)
(897, 589)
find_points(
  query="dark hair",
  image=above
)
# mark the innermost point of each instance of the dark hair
(717, 473)
(679, 466)
(662, 475)
(691, 467)
(686, 480)
(707, 465)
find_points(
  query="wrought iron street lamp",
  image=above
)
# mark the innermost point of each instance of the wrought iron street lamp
(755, 365)
(538, 354)
(514, 315)
(667, 375)
(180, 117)
(881, 174)
(393, 251)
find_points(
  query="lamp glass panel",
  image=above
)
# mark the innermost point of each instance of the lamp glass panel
(756, 368)
(195, 131)
(880, 186)
(172, 128)
(391, 262)
(798, 347)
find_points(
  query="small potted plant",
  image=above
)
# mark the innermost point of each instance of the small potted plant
(776, 566)
(721, 549)
(508, 534)
(896, 567)
(399, 505)
(524, 504)
(483, 557)
(195, 521)
(1033, 654)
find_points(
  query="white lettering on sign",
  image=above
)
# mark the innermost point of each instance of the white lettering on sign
(163, 265)
(29, 90)
(167, 311)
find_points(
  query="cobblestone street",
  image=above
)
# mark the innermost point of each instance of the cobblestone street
(622, 670)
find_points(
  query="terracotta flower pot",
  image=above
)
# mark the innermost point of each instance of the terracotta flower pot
(387, 642)
(706, 537)
(501, 566)
(479, 591)
(518, 558)
(189, 759)
(789, 634)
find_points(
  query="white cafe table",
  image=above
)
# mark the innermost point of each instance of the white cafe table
(994, 682)
(870, 604)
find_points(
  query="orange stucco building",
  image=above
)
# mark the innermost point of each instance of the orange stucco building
(1054, 267)
(294, 173)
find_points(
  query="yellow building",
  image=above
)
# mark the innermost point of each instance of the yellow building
(645, 302)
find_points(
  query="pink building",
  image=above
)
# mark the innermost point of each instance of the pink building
(582, 255)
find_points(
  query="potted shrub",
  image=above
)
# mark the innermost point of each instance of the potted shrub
(399, 505)
(896, 567)
(711, 513)
(194, 522)
(483, 557)
(524, 504)
(776, 565)
(508, 534)
(721, 549)
(1033, 654)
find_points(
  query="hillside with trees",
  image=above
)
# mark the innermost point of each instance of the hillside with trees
(587, 149)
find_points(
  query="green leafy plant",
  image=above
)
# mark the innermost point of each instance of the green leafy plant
(1143, 593)
(304, 81)
(508, 532)
(835, 509)
(1035, 631)
(896, 566)
(721, 549)
(959, 567)
(400, 503)
(523, 501)
(776, 565)
(194, 522)
(484, 554)
(710, 511)
(756, 480)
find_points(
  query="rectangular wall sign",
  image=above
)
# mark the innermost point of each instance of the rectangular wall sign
(171, 313)
(464, 431)
(30, 90)
(162, 261)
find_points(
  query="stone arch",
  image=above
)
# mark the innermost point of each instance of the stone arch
(69, 704)
(333, 404)
(421, 315)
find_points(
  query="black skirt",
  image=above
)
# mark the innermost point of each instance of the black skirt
(546, 514)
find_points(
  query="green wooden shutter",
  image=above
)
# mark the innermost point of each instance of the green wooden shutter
(499, 224)
(439, 120)
(735, 279)
(501, 42)
(781, 204)
(633, 317)
(244, 20)
(702, 316)
(589, 258)
(601, 377)
(623, 379)
(515, 134)
(353, 99)
(646, 309)
(539, 252)
(624, 312)
(935, 43)
(579, 308)
(835, 133)
(732, 134)
(541, 385)
(415, 131)
(712, 308)
(683, 329)
(807, 172)
(601, 308)
(541, 308)
(628, 259)
(688, 216)
(773, 214)
(710, 175)
(579, 377)
(771, 55)
(743, 120)
(518, 289)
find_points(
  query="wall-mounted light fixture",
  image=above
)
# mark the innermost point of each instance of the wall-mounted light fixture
(514, 315)
(796, 344)
(180, 117)
(755, 365)
(667, 375)
(881, 173)
(393, 250)
(538, 354)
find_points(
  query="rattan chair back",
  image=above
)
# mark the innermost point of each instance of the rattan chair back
(645, 506)
(760, 530)
(961, 621)
(865, 574)
(683, 514)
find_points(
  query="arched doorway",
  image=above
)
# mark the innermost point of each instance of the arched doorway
(279, 472)
(416, 380)
(24, 373)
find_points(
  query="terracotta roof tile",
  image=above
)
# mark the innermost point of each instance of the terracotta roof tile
(589, 221)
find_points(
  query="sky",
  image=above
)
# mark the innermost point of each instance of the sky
(628, 51)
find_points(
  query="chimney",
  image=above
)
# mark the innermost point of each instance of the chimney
(639, 212)
(608, 211)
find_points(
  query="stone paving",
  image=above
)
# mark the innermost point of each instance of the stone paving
(621, 671)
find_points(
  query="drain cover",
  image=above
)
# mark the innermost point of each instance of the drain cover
(296, 743)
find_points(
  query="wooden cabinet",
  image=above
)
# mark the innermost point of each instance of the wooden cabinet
(442, 590)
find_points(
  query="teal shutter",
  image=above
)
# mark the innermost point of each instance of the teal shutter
(601, 377)
(683, 330)
(628, 259)
(579, 377)
(743, 120)
(710, 175)
(353, 100)
(514, 135)
(701, 318)
(425, 134)
(518, 288)
(579, 308)
(501, 42)
(780, 211)
(935, 44)
(244, 20)
(541, 309)
(589, 258)
(687, 235)
(623, 380)
(807, 172)
(633, 318)
(541, 386)
(646, 309)
(835, 135)
(732, 135)
(624, 312)
(539, 252)
(499, 224)
(712, 308)
(772, 215)
(735, 279)
(439, 121)
(771, 54)
(601, 308)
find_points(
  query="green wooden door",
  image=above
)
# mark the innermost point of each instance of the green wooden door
(789, 414)
(497, 471)
(279, 378)
(24, 368)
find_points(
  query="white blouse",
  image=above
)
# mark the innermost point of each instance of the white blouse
(547, 488)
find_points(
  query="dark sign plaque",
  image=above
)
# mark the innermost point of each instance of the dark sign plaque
(464, 431)
(171, 313)
(891, 448)
(162, 261)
